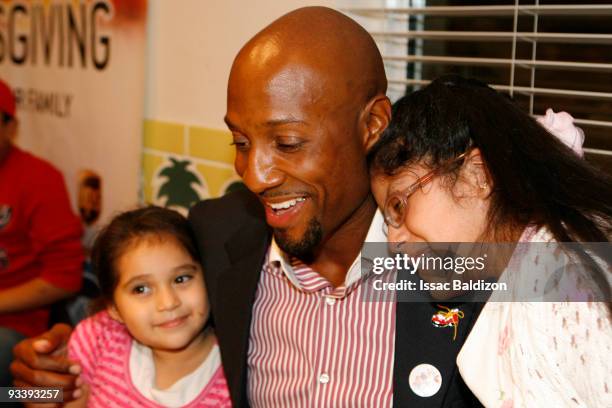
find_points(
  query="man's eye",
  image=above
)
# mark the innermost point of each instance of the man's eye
(183, 278)
(289, 145)
(241, 143)
(141, 290)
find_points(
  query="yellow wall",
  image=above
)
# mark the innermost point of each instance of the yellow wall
(208, 150)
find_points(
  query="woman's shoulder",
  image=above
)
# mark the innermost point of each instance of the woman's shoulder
(543, 269)
(568, 338)
(530, 352)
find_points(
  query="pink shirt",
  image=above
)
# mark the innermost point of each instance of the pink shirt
(102, 347)
(315, 345)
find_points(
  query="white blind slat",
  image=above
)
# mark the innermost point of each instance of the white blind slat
(569, 65)
(413, 46)
(467, 11)
(579, 38)
(523, 89)
(597, 151)
(593, 122)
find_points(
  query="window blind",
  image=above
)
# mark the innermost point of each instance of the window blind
(542, 54)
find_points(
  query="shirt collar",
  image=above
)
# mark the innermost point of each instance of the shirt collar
(277, 257)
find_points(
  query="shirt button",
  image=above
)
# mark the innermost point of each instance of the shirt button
(324, 378)
(330, 300)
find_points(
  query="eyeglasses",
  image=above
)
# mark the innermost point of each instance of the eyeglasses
(397, 203)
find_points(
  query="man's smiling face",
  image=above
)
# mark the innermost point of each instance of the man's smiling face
(298, 147)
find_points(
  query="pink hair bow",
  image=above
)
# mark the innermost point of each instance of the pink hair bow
(562, 126)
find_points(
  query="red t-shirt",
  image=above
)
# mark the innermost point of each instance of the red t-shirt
(40, 237)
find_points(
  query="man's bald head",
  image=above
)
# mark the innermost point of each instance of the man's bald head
(305, 103)
(340, 50)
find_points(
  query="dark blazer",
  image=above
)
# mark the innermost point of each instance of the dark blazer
(233, 239)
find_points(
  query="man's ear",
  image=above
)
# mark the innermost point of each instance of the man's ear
(113, 312)
(377, 118)
(477, 173)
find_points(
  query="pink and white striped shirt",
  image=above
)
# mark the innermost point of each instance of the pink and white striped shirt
(102, 347)
(315, 345)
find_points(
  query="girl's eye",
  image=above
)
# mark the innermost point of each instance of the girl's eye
(183, 278)
(141, 290)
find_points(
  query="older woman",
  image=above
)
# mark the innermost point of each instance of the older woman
(462, 163)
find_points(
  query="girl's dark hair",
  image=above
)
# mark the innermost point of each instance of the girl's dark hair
(536, 179)
(124, 230)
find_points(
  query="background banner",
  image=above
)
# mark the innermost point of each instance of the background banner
(77, 70)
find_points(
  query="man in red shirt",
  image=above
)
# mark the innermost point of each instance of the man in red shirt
(40, 239)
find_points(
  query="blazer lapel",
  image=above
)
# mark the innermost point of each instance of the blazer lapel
(236, 289)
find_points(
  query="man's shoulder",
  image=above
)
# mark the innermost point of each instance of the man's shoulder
(239, 202)
(240, 209)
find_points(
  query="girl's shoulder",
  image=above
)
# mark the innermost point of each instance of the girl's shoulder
(101, 325)
(96, 338)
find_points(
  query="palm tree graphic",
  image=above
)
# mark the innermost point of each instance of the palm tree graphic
(178, 186)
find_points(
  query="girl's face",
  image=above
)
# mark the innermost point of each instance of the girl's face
(160, 296)
(435, 212)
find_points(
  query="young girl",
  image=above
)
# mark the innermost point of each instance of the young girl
(461, 162)
(150, 346)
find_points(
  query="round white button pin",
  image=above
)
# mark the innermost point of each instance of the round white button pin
(425, 380)
(324, 378)
(330, 300)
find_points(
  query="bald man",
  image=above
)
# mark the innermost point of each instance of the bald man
(306, 102)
